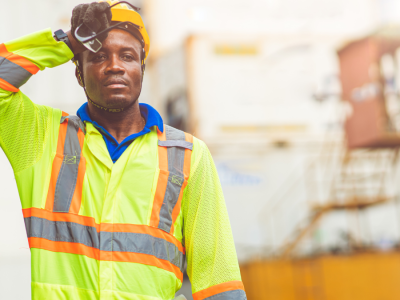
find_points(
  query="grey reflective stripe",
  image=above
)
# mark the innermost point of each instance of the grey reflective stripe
(144, 244)
(62, 231)
(13, 73)
(230, 295)
(172, 133)
(176, 159)
(106, 241)
(182, 144)
(68, 175)
(170, 199)
(76, 121)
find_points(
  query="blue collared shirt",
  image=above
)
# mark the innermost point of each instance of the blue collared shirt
(151, 116)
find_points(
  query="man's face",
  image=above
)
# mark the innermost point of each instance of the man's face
(113, 76)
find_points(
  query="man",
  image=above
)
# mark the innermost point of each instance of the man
(113, 199)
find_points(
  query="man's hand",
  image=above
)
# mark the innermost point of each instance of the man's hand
(96, 16)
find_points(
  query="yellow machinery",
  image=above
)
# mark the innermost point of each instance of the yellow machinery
(364, 276)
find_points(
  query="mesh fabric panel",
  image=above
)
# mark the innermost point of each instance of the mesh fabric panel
(23, 129)
(211, 254)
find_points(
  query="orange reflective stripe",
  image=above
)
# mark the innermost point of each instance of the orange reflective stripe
(76, 248)
(7, 86)
(161, 183)
(81, 137)
(73, 248)
(88, 221)
(77, 197)
(61, 217)
(159, 197)
(177, 208)
(19, 60)
(62, 134)
(188, 157)
(218, 289)
(146, 260)
(57, 162)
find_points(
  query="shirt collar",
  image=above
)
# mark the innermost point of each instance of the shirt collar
(151, 116)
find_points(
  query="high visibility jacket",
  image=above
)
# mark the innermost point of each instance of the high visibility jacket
(99, 230)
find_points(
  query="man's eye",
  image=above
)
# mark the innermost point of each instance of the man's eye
(127, 57)
(99, 57)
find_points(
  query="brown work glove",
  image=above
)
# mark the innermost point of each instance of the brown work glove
(96, 16)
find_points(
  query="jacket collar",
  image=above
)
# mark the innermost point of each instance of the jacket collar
(152, 117)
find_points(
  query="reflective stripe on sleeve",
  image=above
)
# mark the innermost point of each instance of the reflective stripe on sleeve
(46, 232)
(8, 87)
(232, 290)
(15, 70)
(13, 73)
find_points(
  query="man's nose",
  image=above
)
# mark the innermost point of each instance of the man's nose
(114, 66)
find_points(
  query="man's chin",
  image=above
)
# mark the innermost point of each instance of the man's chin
(117, 102)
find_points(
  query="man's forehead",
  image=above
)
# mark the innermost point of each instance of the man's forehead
(117, 40)
(121, 38)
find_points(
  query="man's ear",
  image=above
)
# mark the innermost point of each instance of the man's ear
(78, 77)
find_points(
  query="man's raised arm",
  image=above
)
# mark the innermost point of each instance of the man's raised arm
(24, 126)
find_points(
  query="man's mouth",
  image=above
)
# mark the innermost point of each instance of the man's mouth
(115, 83)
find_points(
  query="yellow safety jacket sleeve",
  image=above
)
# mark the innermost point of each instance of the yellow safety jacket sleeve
(24, 126)
(212, 264)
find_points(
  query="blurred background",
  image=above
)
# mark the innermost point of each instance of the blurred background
(298, 101)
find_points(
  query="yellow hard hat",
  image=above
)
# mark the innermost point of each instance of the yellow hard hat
(123, 13)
